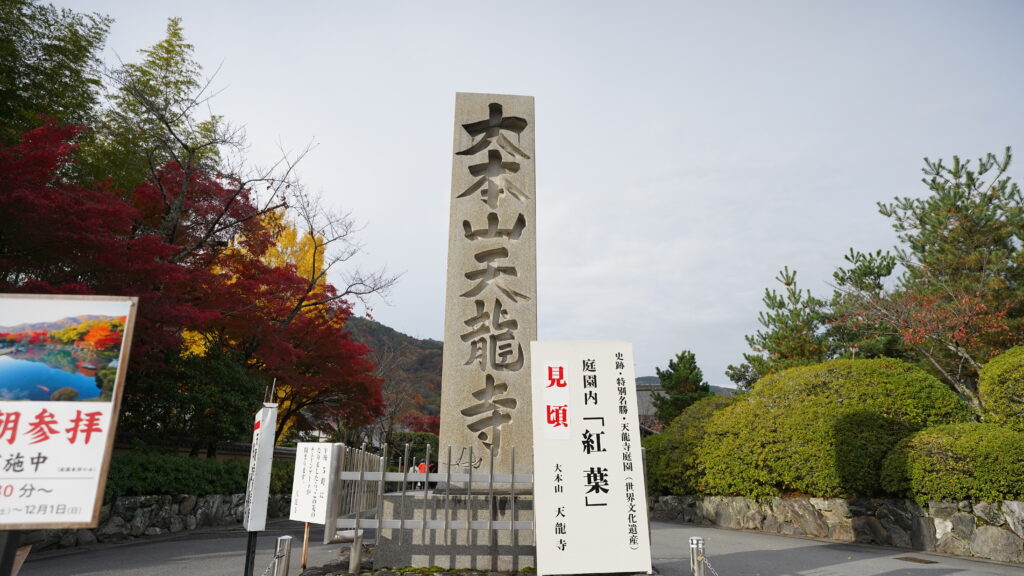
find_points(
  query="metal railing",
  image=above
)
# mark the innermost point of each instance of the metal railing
(450, 504)
(352, 497)
(365, 480)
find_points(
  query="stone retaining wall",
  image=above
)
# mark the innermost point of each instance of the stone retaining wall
(992, 530)
(130, 517)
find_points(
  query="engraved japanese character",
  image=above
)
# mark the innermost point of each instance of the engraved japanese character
(491, 274)
(491, 410)
(492, 131)
(491, 339)
(493, 231)
(494, 180)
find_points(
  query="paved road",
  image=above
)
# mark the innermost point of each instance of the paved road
(751, 554)
(731, 553)
(213, 553)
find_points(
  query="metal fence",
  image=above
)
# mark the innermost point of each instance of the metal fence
(366, 482)
(352, 496)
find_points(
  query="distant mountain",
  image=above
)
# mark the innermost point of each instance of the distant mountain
(419, 360)
(719, 390)
(54, 325)
(404, 358)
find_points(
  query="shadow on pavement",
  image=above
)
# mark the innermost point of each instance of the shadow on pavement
(815, 560)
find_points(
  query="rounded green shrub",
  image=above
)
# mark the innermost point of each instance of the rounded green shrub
(672, 454)
(821, 430)
(969, 461)
(1001, 389)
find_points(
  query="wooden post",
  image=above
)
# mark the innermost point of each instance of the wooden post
(305, 545)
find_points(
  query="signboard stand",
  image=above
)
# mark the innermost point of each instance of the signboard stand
(589, 491)
(250, 553)
(305, 545)
(257, 491)
(62, 368)
(312, 486)
(9, 540)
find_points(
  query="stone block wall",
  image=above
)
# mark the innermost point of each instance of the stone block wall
(992, 530)
(131, 517)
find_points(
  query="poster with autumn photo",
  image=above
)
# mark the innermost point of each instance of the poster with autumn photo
(60, 348)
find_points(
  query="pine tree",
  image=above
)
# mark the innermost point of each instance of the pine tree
(683, 383)
(960, 298)
(793, 335)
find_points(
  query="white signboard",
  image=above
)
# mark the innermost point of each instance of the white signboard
(312, 481)
(589, 492)
(257, 489)
(62, 365)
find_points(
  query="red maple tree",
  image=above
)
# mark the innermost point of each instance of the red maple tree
(188, 244)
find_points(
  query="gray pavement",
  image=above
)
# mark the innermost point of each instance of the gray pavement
(219, 552)
(734, 553)
(212, 552)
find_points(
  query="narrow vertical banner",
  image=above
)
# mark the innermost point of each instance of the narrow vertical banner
(589, 489)
(491, 300)
(257, 490)
(62, 369)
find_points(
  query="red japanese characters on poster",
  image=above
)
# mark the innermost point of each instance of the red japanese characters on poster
(62, 365)
(589, 491)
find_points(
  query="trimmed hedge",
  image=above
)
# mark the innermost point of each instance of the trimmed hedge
(672, 454)
(821, 430)
(141, 473)
(970, 461)
(1001, 388)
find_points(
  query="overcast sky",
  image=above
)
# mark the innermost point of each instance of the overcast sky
(686, 151)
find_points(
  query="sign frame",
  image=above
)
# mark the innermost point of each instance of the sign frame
(323, 481)
(261, 458)
(132, 303)
(588, 462)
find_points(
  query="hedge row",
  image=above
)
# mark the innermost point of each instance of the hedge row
(1001, 389)
(672, 456)
(822, 430)
(972, 461)
(139, 473)
(850, 428)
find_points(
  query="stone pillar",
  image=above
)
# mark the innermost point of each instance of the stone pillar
(491, 302)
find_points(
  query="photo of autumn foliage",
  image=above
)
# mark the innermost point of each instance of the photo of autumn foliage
(60, 350)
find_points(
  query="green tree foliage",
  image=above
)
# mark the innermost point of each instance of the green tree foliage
(418, 443)
(863, 338)
(64, 395)
(968, 461)
(214, 392)
(821, 430)
(958, 300)
(106, 379)
(151, 120)
(1001, 389)
(793, 333)
(683, 383)
(672, 455)
(49, 65)
(72, 333)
